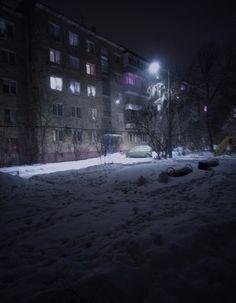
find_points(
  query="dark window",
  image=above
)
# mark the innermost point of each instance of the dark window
(57, 109)
(104, 52)
(134, 61)
(77, 136)
(3, 29)
(74, 62)
(7, 115)
(4, 56)
(10, 30)
(118, 78)
(12, 58)
(131, 116)
(132, 137)
(76, 112)
(104, 64)
(106, 88)
(13, 145)
(107, 109)
(55, 32)
(10, 116)
(9, 86)
(8, 57)
(120, 118)
(117, 59)
(6, 29)
(60, 135)
(90, 47)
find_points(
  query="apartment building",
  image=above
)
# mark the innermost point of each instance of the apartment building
(64, 89)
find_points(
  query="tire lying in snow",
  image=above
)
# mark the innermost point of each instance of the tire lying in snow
(187, 169)
(205, 165)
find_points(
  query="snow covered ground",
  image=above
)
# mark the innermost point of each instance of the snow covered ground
(90, 231)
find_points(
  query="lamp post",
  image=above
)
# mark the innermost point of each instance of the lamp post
(154, 69)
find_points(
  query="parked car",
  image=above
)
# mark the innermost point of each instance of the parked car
(140, 151)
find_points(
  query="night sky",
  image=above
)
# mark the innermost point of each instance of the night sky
(169, 31)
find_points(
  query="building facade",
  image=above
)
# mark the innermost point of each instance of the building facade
(66, 92)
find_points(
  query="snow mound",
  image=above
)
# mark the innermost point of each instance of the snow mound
(10, 181)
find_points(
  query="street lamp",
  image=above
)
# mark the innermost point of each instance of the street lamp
(154, 68)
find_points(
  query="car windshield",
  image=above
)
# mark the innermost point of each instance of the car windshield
(141, 148)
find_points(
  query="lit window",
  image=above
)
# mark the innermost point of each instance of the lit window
(73, 39)
(54, 56)
(9, 86)
(76, 112)
(55, 31)
(91, 91)
(8, 57)
(57, 109)
(74, 62)
(205, 108)
(118, 98)
(90, 69)
(75, 87)
(57, 135)
(131, 79)
(90, 47)
(56, 83)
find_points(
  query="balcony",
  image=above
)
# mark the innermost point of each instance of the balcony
(130, 106)
(130, 125)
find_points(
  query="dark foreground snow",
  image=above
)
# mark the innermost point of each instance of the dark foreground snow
(96, 235)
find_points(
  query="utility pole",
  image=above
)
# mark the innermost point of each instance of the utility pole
(169, 115)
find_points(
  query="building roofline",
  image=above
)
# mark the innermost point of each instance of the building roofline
(135, 54)
(81, 27)
(11, 11)
(89, 31)
(37, 3)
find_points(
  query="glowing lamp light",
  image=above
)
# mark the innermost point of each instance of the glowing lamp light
(72, 88)
(205, 109)
(154, 67)
(117, 101)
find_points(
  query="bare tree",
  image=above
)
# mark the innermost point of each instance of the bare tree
(152, 123)
(79, 146)
(211, 76)
(44, 117)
